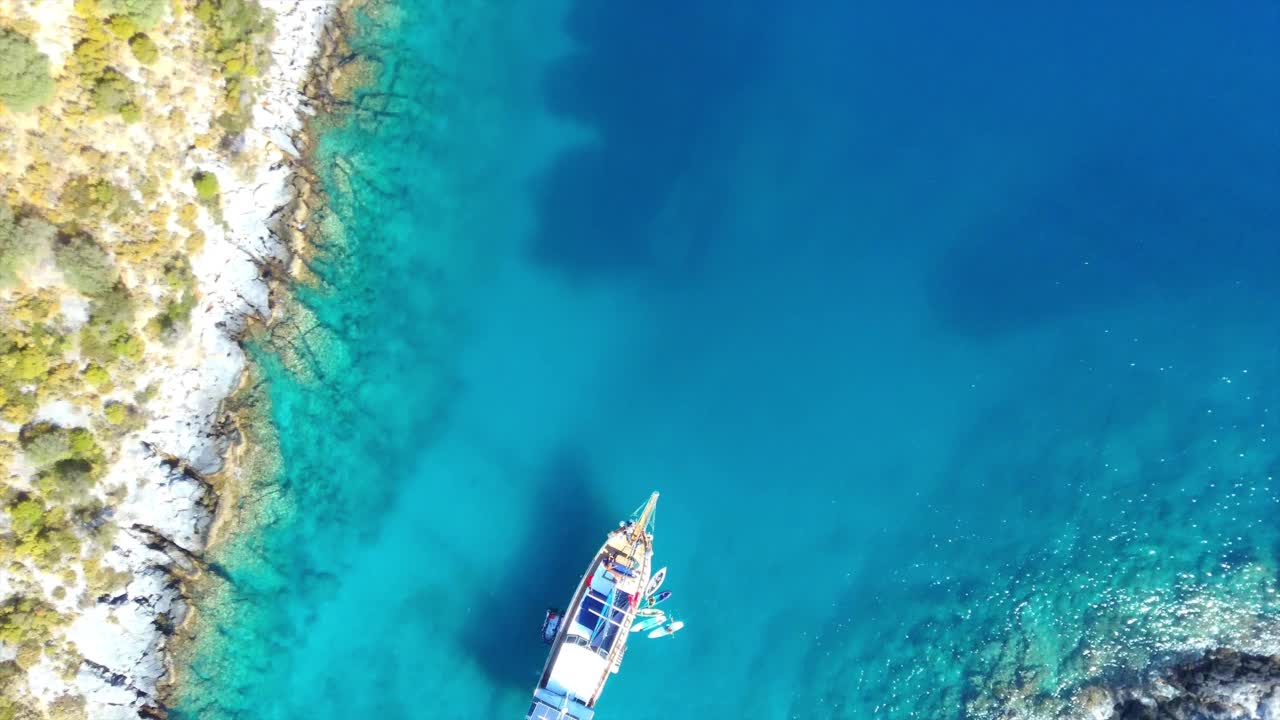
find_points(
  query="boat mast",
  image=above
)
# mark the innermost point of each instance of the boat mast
(637, 531)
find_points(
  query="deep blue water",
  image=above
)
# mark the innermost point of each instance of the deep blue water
(948, 335)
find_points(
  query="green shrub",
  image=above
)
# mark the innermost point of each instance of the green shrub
(83, 445)
(27, 517)
(144, 13)
(26, 363)
(128, 347)
(97, 377)
(101, 578)
(130, 112)
(50, 545)
(86, 265)
(67, 460)
(66, 480)
(25, 82)
(18, 406)
(86, 197)
(21, 241)
(115, 412)
(144, 48)
(44, 443)
(110, 318)
(24, 620)
(122, 26)
(91, 53)
(111, 92)
(171, 321)
(206, 184)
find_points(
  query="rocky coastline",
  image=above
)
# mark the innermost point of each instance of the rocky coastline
(106, 655)
(191, 437)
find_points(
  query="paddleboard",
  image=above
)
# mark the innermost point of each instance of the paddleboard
(655, 599)
(648, 623)
(670, 628)
(648, 612)
(655, 582)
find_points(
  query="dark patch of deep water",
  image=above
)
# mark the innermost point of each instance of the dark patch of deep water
(671, 72)
(548, 558)
(947, 334)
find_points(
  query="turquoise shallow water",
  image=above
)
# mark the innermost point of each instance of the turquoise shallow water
(948, 337)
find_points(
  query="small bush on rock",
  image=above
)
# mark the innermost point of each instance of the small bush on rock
(143, 48)
(206, 184)
(115, 413)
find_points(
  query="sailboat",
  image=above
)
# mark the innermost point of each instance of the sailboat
(589, 638)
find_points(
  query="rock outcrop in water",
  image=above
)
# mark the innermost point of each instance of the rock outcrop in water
(1221, 685)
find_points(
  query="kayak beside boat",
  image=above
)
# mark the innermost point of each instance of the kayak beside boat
(649, 623)
(668, 629)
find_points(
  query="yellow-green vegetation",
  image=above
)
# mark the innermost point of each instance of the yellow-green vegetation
(112, 92)
(171, 321)
(115, 412)
(235, 32)
(206, 184)
(25, 81)
(26, 621)
(144, 14)
(122, 26)
(97, 377)
(143, 48)
(114, 115)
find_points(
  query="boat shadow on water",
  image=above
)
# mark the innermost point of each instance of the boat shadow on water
(545, 562)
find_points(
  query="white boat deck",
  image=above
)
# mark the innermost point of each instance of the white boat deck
(577, 672)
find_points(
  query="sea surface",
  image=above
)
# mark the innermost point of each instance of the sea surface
(948, 333)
